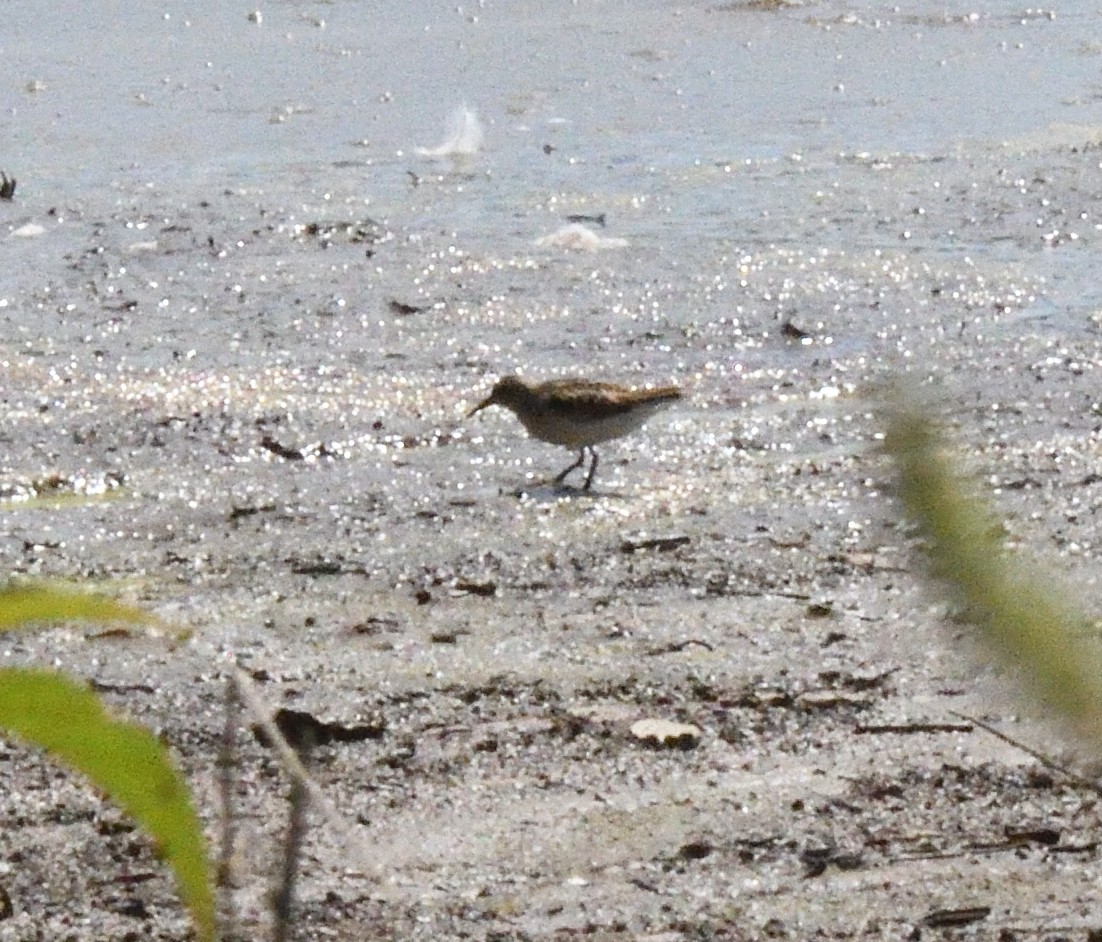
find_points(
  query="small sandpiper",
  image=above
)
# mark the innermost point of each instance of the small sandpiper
(578, 413)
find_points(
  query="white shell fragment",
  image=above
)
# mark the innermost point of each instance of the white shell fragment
(666, 734)
(579, 238)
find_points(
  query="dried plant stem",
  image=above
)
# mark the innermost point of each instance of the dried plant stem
(284, 898)
(227, 764)
(348, 832)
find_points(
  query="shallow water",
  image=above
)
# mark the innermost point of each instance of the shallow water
(195, 91)
(816, 126)
(641, 101)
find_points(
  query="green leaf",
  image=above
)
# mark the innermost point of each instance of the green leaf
(1025, 615)
(24, 605)
(124, 760)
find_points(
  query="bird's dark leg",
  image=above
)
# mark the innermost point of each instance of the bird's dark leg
(576, 464)
(592, 470)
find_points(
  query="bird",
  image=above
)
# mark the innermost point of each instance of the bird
(577, 413)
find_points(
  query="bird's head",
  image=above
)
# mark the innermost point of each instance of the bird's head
(507, 392)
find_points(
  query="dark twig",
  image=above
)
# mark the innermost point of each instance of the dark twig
(1051, 764)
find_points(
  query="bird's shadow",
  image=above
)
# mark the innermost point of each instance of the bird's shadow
(548, 492)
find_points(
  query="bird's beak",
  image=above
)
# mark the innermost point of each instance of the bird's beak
(488, 401)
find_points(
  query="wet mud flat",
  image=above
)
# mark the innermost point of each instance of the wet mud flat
(241, 406)
(287, 476)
